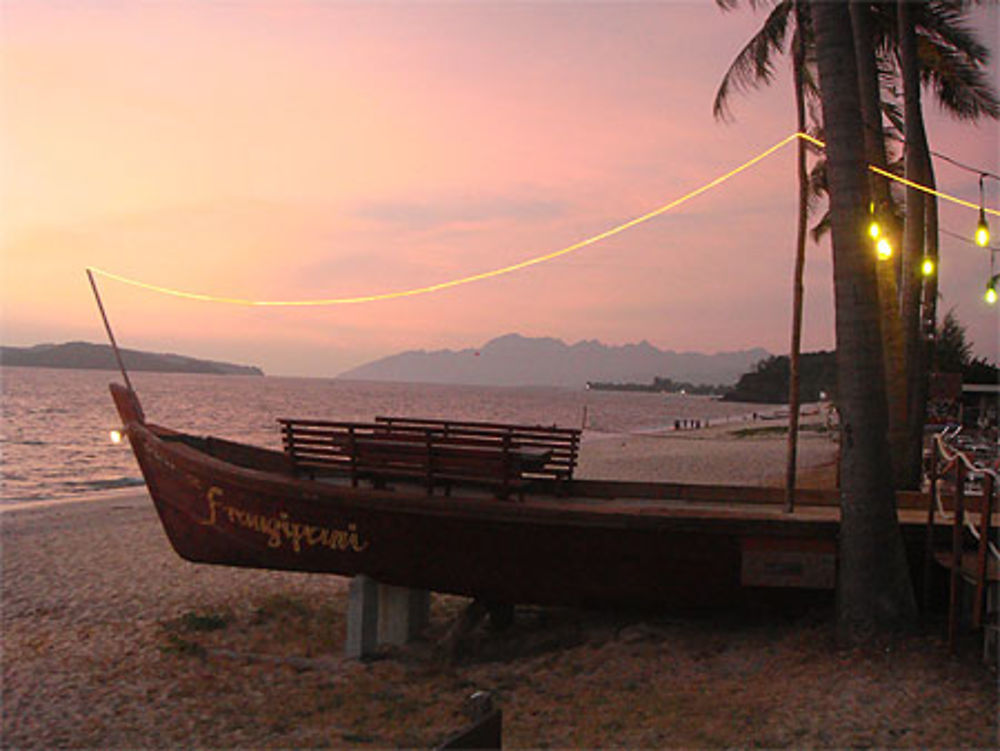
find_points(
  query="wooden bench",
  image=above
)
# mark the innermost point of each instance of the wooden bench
(562, 445)
(380, 453)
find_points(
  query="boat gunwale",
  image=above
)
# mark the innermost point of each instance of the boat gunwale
(602, 511)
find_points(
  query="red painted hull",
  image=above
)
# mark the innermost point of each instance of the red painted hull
(606, 544)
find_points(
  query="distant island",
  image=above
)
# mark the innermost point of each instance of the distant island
(515, 360)
(87, 356)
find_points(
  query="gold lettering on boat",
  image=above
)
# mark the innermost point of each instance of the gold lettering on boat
(281, 529)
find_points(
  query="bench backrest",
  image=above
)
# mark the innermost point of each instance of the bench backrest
(432, 451)
(417, 453)
(561, 444)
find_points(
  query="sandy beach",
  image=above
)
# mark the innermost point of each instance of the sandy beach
(112, 641)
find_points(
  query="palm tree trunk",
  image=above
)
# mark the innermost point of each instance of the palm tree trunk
(874, 595)
(798, 65)
(916, 159)
(888, 289)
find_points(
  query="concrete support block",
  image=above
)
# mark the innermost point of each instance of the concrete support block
(402, 614)
(382, 614)
(362, 617)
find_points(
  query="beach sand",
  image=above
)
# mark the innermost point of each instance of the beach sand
(112, 641)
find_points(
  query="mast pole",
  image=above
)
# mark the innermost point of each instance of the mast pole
(107, 328)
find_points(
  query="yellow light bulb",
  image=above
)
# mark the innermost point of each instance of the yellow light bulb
(982, 233)
(991, 295)
(927, 267)
(874, 230)
(115, 436)
(884, 248)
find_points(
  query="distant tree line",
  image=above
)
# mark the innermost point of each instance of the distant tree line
(768, 381)
(661, 386)
(952, 353)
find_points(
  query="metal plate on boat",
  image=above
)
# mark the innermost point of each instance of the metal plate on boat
(788, 562)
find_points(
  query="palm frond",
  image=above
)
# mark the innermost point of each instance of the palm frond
(947, 23)
(821, 228)
(959, 84)
(754, 65)
(727, 5)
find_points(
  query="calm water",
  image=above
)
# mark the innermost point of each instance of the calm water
(54, 435)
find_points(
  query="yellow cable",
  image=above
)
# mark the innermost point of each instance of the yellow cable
(516, 266)
(908, 183)
(925, 189)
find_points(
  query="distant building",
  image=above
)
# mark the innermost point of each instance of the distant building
(979, 405)
(972, 405)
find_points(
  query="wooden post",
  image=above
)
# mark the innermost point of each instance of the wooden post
(929, 535)
(982, 562)
(954, 596)
(507, 468)
(429, 447)
(352, 448)
(486, 728)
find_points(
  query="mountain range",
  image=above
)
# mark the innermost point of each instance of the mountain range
(83, 355)
(515, 360)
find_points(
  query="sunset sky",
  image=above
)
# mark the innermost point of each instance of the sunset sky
(298, 150)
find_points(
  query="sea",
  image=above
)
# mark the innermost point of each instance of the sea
(55, 431)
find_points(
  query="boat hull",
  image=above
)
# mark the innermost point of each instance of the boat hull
(227, 504)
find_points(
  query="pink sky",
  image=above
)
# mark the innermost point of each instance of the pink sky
(278, 150)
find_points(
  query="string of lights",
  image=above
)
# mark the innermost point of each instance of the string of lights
(618, 229)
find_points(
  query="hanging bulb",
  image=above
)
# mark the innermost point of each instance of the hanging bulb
(982, 230)
(884, 249)
(991, 291)
(874, 230)
(927, 267)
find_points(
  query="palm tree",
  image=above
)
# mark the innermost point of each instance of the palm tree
(869, 89)
(874, 595)
(952, 65)
(955, 72)
(934, 48)
(751, 67)
(917, 159)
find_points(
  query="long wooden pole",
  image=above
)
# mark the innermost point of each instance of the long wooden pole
(111, 335)
(800, 259)
(929, 533)
(983, 554)
(954, 594)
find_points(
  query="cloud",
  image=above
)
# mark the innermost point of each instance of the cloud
(459, 210)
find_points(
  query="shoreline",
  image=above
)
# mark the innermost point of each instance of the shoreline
(134, 493)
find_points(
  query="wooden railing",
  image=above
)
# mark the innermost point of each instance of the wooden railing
(973, 555)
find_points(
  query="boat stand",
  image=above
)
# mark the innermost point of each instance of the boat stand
(379, 614)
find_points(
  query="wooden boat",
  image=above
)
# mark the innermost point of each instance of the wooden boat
(574, 542)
